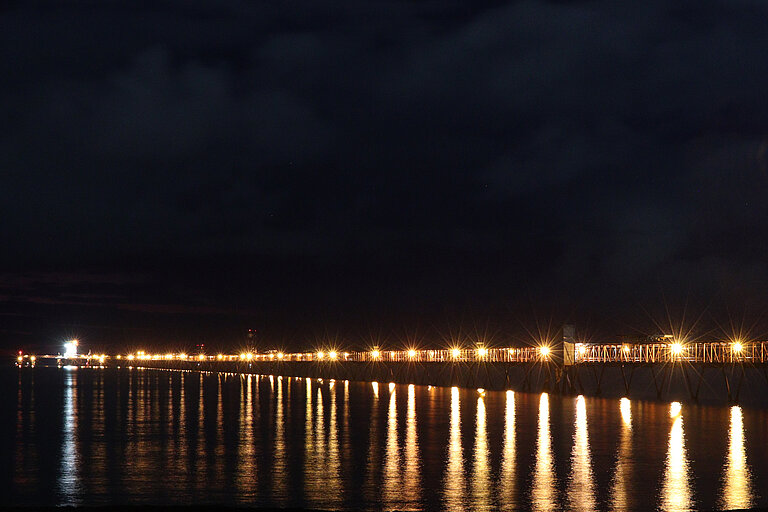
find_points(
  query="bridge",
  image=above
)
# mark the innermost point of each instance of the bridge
(706, 373)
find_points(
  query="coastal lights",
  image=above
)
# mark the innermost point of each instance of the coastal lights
(677, 348)
(375, 354)
(737, 347)
(544, 351)
(333, 355)
(411, 353)
(455, 353)
(320, 354)
(482, 352)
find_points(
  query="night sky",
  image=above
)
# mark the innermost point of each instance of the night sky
(176, 172)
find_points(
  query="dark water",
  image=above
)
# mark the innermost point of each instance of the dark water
(157, 437)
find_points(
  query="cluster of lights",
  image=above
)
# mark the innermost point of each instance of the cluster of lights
(676, 348)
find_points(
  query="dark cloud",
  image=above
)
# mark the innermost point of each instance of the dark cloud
(347, 164)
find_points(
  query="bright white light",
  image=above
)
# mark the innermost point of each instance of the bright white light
(482, 352)
(411, 353)
(737, 347)
(455, 353)
(375, 354)
(544, 351)
(677, 348)
(70, 349)
(332, 354)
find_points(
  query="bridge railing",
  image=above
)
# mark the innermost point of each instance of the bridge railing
(709, 352)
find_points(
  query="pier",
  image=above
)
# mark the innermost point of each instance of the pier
(705, 373)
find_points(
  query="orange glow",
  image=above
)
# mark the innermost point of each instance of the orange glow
(455, 353)
(411, 353)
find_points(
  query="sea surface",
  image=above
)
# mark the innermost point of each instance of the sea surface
(133, 436)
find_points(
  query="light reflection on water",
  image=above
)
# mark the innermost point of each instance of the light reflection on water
(581, 491)
(676, 490)
(69, 482)
(508, 473)
(182, 438)
(737, 492)
(543, 490)
(481, 484)
(454, 485)
(621, 488)
(412, 473)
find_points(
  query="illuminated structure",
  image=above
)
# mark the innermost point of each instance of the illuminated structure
(675, 370)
